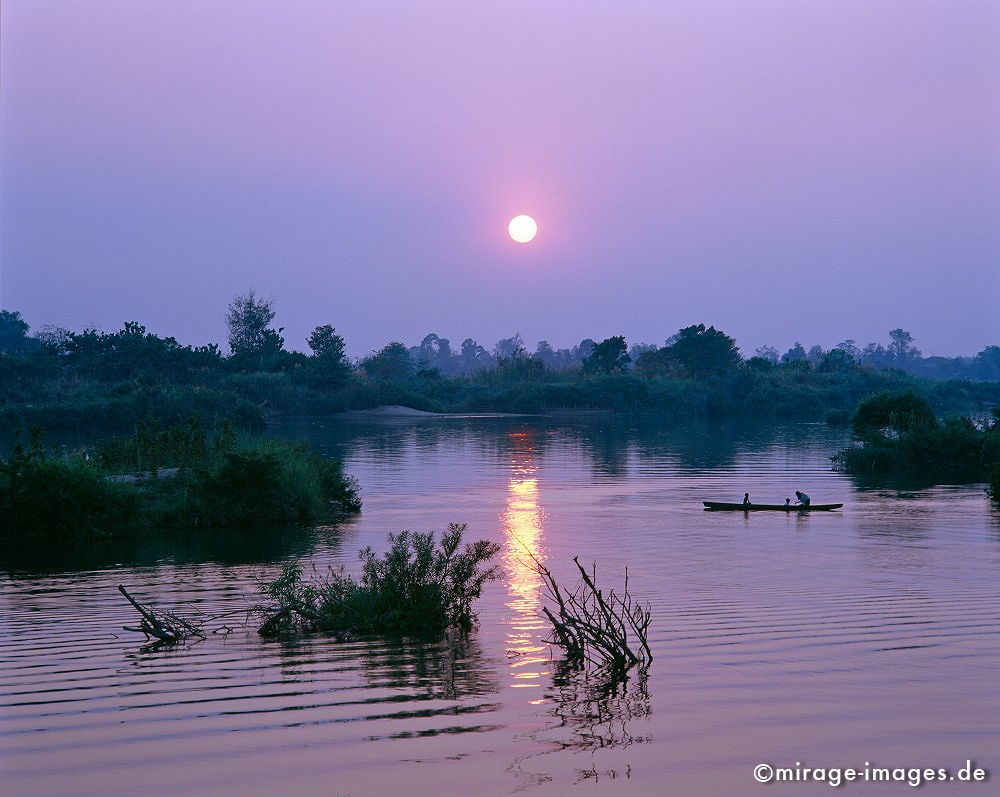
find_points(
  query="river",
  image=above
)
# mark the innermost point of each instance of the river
(832, 639)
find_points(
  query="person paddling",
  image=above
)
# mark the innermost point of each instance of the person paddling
(803, 499)
(746, 499)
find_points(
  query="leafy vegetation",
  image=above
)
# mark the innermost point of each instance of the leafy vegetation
(45, 497)
(696, 352)
(88, 380)
(417, 588)
(900, 433)
(215, 480)
(260, 483)
(151, 448)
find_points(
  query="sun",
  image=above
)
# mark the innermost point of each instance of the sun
(522, 229)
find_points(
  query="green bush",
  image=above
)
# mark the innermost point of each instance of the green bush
(264, 482)
(44, 497)
(222, 481)
(150, 448)
(898, 414)
(416, 588)
(900, 434)
(101, 407)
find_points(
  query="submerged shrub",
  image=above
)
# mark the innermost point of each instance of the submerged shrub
(418, 587)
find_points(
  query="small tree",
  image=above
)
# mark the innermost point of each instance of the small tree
(850, 348)
(473, 357)
(54, 339)
(13, 332)
(902, 349)
(768, 353)
(251, 339)
(433, 355)
(511, 347)
(391, 363)
(875, 354)
(704, 352)
(545, 353)
(329, 360)
(582, 351)
(893, 413)
(837, 360)
(795, 354)
(608, 356)
(815, 354)
(636, 350)
(987, 364)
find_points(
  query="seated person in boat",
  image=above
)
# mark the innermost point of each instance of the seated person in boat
(788, 501)
(746, 499)
(803, 498)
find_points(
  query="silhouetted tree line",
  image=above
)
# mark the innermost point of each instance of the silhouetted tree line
(56, 374)
(900, 353)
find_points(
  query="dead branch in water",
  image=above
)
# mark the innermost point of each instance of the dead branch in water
(608, 631)
(166, 628)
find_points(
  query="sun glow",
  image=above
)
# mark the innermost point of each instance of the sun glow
(522, 229)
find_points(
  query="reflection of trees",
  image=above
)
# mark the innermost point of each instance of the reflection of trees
(590, 714)
(701, 443)
(400, 679)
(608, 444)
(611, 442)
(595, 712)
(689, 442)
(901, 482)
(452, 668)
(232, 546)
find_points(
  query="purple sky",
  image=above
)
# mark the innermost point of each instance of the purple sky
(783, 170)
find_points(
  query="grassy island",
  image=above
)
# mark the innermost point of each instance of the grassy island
(178, 477)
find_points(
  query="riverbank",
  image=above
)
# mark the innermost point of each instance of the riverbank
(251, 400)
(181, 477)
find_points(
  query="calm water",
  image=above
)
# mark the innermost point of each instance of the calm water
(832, 639)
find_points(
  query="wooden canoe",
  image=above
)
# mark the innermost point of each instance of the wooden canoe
(723, 506)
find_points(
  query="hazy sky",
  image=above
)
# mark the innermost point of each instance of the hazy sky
(783, 170)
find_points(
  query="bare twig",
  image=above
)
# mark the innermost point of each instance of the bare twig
(163, 626)
(609, 631)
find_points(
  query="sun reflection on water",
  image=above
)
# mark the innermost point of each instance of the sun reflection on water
(523, 528)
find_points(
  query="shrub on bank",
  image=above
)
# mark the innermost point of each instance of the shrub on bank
(101, 408)
(221, 480)
(264, 482)
(899, 433)
(45, 497)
